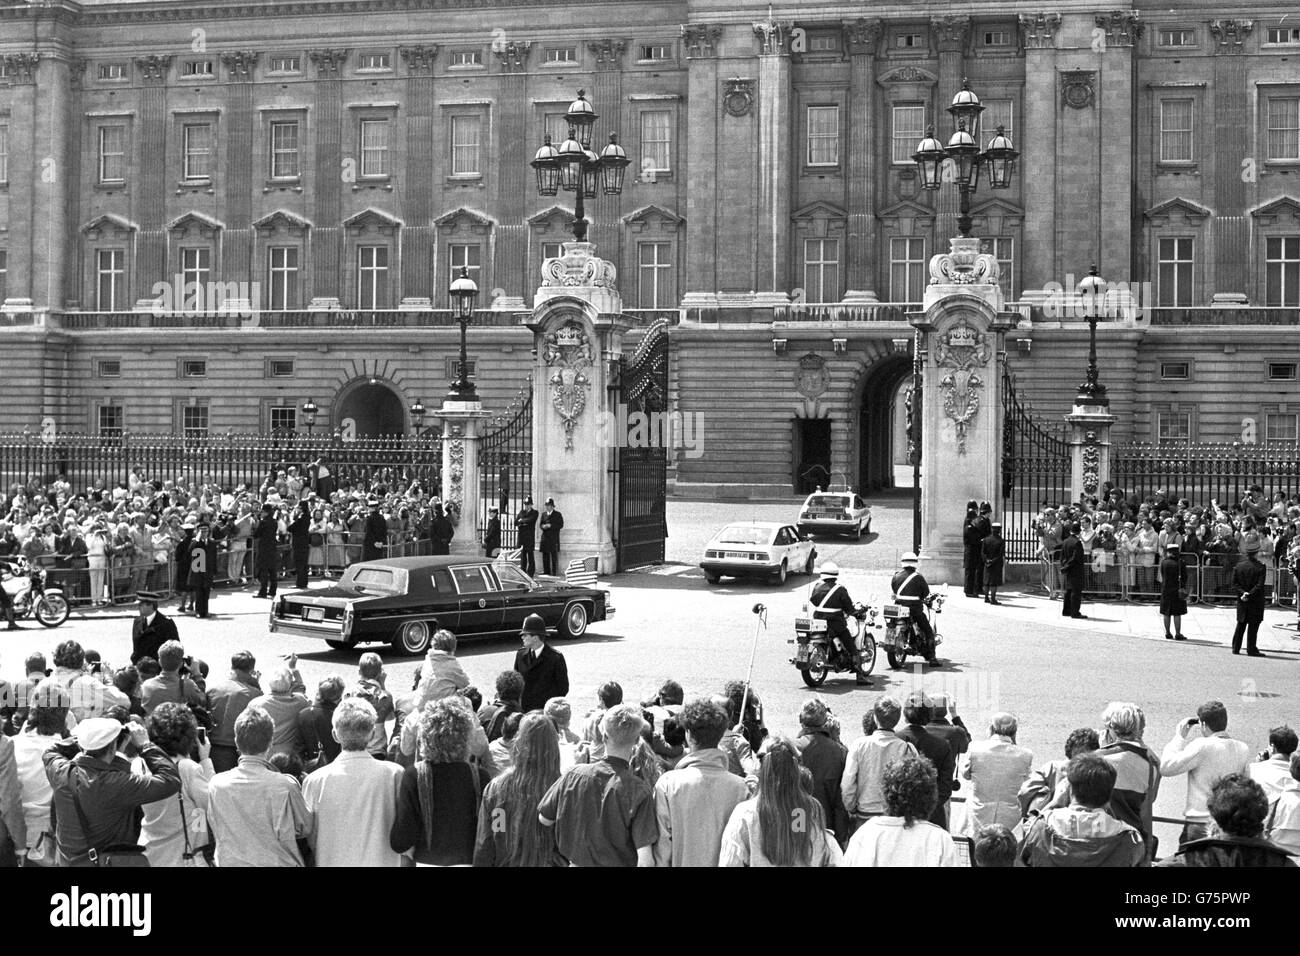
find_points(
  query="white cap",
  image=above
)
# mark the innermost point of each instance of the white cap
(830, 570)
(910, 558)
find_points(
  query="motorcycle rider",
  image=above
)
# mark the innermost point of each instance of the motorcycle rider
(6, 602)
(912, 592)
(832, 604)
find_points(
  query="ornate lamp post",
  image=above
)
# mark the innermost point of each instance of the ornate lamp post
(576, 168)
(463, 293)
(1092, 291)
(961, 160)
(418, 412)
(309, 411)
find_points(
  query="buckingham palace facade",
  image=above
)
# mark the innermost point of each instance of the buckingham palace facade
(212, 212)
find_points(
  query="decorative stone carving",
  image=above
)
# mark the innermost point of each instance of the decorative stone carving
(21, 67)
(568, 351)
(1230, 34)
(608, 52)
(739, 98)
(513, 55)
(455, 490)
(909, 74)
(773, 36)
(1078, 88)
(76, 71)
(329, 63)
(240, 63)
(701, 40)
(420, 58)
(578, 267)
(964, 264)
(812, 378)
(862, 36)
(154, 66)
(1123, 27)
(952, 32)
(1038, 31)
(963, 351)
(1091, 463)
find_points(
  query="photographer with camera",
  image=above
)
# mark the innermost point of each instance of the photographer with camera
(175, 831)
(173, 685)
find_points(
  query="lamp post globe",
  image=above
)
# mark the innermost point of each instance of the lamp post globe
(463, 291)
(613, 162)
(547, 164)
(581, 117)
(576, 168)
(1000, 159)
(1092, 292)
(966, 108)
(929, 158)
(309, 410)
(418, 412)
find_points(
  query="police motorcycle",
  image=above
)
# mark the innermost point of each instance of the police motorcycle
(901, 637)
(817, 654)
(26, 588)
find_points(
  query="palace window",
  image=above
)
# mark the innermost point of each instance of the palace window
(823, 136)
(4, 274)
(372, 277)
(375, 62)
(1003, 248)
(1282, 36)
(196, 271)
(1173, 427)
(281, 368)
(197, 152)
(112, 154)
(1283, 127)
(196, 68)
(374, 148)
(110, 421)
(823, 43)
(467, 255)
(466, 143)
(997, 38)
(1174, 275)
(194, 422)
(1176, 121)
(112, 71)
(282, 270)
(906, 269)
(282, 419)
(284, 150)
(1282, 427)
(655, 51)
(654, 276)
(108, 368)
(286, 64)
(110, 280)
(464, 58)
(194, 368)
(908, 128)
(1282, 270)
(909, 41)
(656, 141)
(1175, 371)
(4, 153)
(996, 113)
(1177, 37)
(1281, 371)
(821, 270)
(565, 54)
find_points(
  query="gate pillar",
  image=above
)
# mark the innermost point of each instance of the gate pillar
(462, 424)
(578, 330)
(1089, 449)
(962, 340)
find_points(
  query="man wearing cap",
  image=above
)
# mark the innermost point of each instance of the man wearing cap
(1072, 565)
(151, 629)
(551, 521)
(300, 543)
(375, 539)
(993, 552)
(183, 586)
(831, 603)
(971, 539)
(1249, 581)
(96, 793)
(544, 670)
(492, 536)
(526, 523)
(266, 538)
(203, 566)
(911, 590)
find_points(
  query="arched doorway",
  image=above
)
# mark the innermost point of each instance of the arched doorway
(374, 407)
(882, 438)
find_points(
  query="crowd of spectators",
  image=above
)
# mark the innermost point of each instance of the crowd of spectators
(248, 771)
(104, 544)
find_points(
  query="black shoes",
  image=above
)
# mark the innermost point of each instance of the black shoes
(1180, 637)
(1256, 654)
(1079, 617)
(1168, 636)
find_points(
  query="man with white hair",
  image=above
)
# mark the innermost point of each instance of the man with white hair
(284, 702)
(353, 798)
(996, 768)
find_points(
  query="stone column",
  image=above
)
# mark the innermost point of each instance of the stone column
(775, 189)
(30, 170)
(578, 330)
(517, 190)
(862, 38)
(462, 426)
(701, 254)
(237, 238)
(1228, 193)
(418, 266)
(327, 209)
(1115, 97)
(1038, 151)
(150, 200)
(963, 326)
(1090, 426)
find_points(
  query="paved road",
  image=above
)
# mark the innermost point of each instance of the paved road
(1055, 674)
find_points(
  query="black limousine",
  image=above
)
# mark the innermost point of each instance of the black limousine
(402, 601)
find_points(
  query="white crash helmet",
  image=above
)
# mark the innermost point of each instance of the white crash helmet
(830, 570)
(910, 558)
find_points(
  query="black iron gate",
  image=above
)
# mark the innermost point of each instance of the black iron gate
(641, 452)
(1035, 471)
(505, 459)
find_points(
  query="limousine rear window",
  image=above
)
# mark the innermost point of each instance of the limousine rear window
(442, 581)
(472, 580)
(375, 579)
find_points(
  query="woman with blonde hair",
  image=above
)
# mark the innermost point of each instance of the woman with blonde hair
(511, 801)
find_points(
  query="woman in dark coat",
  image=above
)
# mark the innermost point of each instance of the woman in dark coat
(1173, 592)
(442, 531)
(993, 553)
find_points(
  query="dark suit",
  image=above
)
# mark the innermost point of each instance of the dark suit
(993, 552)
(526, 522)
(442, 532)
(146, 639)
(551, 525)
(203, 568)
(545, 676)
(977, 529)
(492, 537)
(1248, 581)
(266, 537)
(939, 753)
(1072, 561)
(372, 548)
(300, 545)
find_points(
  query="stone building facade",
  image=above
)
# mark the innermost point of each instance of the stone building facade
(321, 167)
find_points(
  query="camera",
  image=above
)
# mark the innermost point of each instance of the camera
(648, 717)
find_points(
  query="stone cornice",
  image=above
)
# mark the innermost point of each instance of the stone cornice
(862, 36)
(328, 62)
(701, 40)
(513, 56)
(239, 64)
(1038, 31)
(1230, 34)
(419, 59)
(952, 33)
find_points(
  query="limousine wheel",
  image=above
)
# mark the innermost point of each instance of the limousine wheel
(413, 638)
(574, 621)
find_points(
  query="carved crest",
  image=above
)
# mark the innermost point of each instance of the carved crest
(812, 378)
(1078, 88)
(567, 351)
(739, 98)
(962, 350)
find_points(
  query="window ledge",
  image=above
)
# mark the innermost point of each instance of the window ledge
(294, 185)
(195, 186)
(1282, 163)
(111, 187)
(833, 170)
(373, 182)
(1179, 166)
(476, 181)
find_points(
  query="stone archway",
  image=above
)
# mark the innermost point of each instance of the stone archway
(878, 421)
(374, 406)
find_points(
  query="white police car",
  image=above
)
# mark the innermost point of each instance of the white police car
(751, 549)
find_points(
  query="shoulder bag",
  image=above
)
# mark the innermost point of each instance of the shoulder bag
(114, 855)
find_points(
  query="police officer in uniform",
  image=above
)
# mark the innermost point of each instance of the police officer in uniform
(492, 536)
(832, 604)
(203, 566)
(266, 537)
(971, 546)
(1072, 574)
(913, 592)
(375, 540)
(1250, 583)
(151, 629)
(526, 523)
